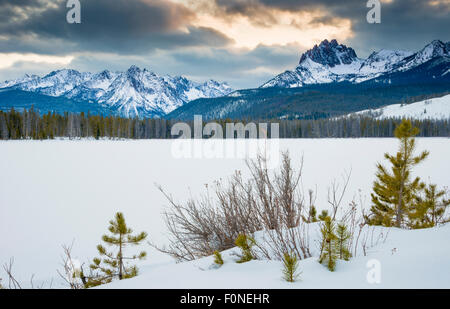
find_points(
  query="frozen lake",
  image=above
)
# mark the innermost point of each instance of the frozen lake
(54, 192)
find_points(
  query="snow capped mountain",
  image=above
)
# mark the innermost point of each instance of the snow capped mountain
(437, 108)
(330, 53)
(331, 62)
(136, 92)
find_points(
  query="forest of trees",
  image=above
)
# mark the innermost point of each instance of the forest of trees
(29, 124)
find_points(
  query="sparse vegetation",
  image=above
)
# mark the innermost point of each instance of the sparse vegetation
(343, 237)
(329, 252)
(245, 243)
(112, 265)
(400, 201)
(264, 202)
(218, 258)
(430, 208)
(290, 267)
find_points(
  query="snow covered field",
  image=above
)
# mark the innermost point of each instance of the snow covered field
(54, 192)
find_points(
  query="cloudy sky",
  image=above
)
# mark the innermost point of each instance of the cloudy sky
(243, 42)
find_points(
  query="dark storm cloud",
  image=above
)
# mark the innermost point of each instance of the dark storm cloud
(407, 24)
(117, 33)
(121, 26)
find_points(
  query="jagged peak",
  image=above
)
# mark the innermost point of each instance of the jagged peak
(437, 47)
(330, 53)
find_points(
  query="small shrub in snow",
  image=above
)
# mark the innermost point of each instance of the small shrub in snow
(329, 252)
(218, 258)
(266, 201)
(323, 215)
(245, 243)
(342, 242)
(430, 208)
(112, 265)
(290, 267)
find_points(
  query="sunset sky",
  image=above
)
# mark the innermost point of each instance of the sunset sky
(243, 42)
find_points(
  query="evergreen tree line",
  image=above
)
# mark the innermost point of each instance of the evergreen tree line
(29, 124)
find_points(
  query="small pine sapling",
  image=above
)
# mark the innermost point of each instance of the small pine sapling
(429, 209)
(323, 215)
(312, 215)
(394, 190)
(245, 243)
(329, 252)
(290, 267)
(218, 258)
(342, 238)
(112, 264)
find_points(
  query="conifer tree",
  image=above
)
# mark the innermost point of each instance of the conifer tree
(342, 239)
(394, 191)
(218, 258)
(430, 209)
(323, 215)
(112, 265)
(290, 267)
(329, 254)
(312, 215)
(245, 243)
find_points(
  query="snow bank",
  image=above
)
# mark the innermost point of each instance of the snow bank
(408, 259)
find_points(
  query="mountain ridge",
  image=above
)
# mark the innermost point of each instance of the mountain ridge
(135, 92)
(331, 62)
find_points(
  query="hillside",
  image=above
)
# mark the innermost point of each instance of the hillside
(308, 102)
(437, 108)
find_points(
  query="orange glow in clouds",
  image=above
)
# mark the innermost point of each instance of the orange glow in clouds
(269, 26)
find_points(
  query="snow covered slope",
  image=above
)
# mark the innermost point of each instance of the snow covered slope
(437, 108)
(135, 92)
(67, 179)
(331, 62)
(407, 259)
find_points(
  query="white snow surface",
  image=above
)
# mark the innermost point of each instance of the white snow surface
(407, 259)
(56, 192)
(436, 108)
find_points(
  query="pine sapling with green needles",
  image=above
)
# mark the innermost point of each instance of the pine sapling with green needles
(329, 254)
(290, 267)
(112, 265)
(245, 243)
(218, 258)
(342, 239)
(429, 209)
(323, 215)
(394, 189)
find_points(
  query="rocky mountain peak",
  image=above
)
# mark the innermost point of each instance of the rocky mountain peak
(330, 53)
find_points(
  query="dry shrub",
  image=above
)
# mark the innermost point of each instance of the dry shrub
(269, 201)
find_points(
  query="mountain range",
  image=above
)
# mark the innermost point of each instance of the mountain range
(331, 62)
(136, 92)
(329, 80)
